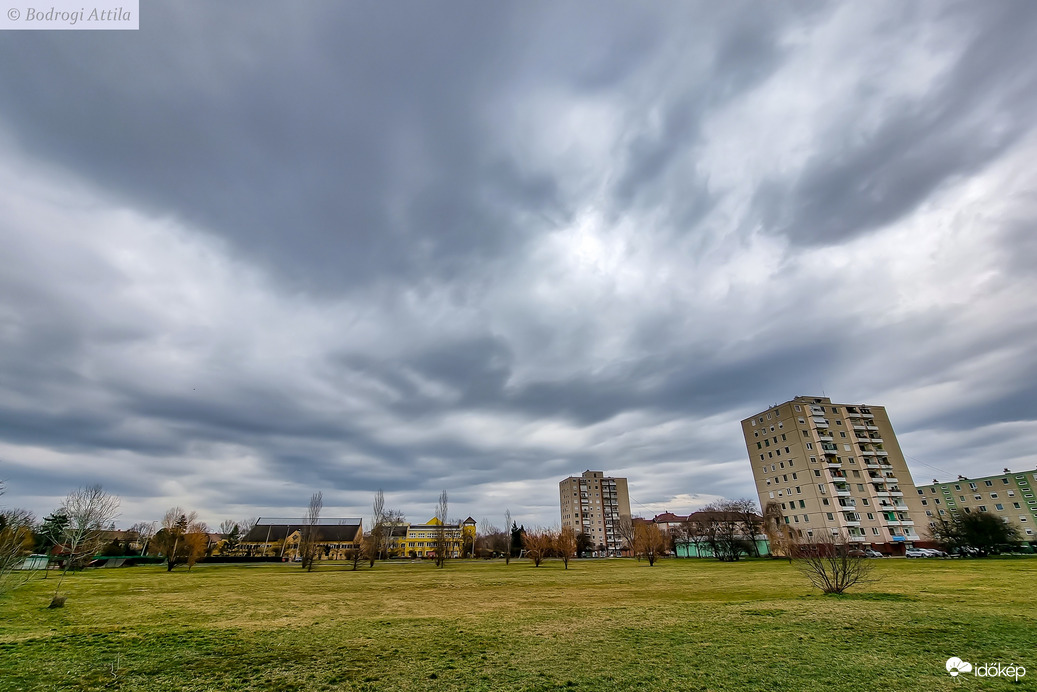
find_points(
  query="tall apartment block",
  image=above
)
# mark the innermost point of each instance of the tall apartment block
(835, 468)
(594, 504)
(1007, 495)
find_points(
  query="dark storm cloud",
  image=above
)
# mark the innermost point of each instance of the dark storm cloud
(361, 126)
(985, 103)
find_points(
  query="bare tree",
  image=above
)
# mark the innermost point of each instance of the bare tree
(181, 538)
(143, 532)
(751, 522)
(565, 545)
(16, 541)
(442, 544)
(507, 529)
(721, 526)
(831, 563)
(89, 510)
(378, 527)
(539, 544)
(309, 540)
(649, 541)
(360, 549)
(625, 529)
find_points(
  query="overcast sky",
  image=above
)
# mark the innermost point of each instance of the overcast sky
(259, 249)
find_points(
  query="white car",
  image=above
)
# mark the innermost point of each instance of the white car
(916, 552)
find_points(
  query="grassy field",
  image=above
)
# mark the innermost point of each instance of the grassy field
(601, 625)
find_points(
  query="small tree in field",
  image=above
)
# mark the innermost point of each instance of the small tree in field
(539, 543)
(649, 542)
(442, 543)
(831, 563)
(89, 510)
(309, 540)
(566, 544)
(182, 538)
(16, 542)
(508, 524)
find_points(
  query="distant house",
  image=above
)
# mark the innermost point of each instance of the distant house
(279, 537)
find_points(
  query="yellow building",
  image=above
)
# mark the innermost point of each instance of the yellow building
(419, 540)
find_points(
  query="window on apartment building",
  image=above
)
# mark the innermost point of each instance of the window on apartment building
(842, 434)
(810, 445)
(982, 508)
(1022, 518)
(771, 494)
(967, 510)
(825, 502)
(856, 473)
(838, 422)
(785, 477)
(972, 486)
(1011, 493)
(941, 512)
(993, 496)
(783, 505)
(759, 446)
(874, 531)
(781, 464)
(977, 497)
(781, 426)
(846, 448)
(767, 443)
(962, 497)
(796, 518)
(999, 507)
(770, 455)
(798, 408)
(791, 463)
(1017, 505)
(865, 501)
(925, 503)
(802, 421)
(813, 460)
(870, 515)
(761, 457)
(928, 512)
(773, 467)
(988, 483)
(768, 416)
(831, 517)
(798, 491)
(778, 452)
(783, 437)
(802, 504)
(821, 487)
(957, 487)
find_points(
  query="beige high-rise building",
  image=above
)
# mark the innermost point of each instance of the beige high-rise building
(1008, 495)
(595, 504)
(835, 468)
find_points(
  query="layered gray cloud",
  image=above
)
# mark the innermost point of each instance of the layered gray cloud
(251, 252)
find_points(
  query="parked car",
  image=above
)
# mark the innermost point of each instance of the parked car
(915, 552)
(872, 553)
(933, 552)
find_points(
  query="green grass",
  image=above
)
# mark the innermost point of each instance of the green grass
(601, 625)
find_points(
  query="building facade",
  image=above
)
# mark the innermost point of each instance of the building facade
(596, 504)
(280, 537)
(419, 540)
(835, 469)
(1008, 495)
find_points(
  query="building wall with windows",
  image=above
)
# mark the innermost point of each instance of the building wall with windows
(595, 504)
(835, 468)
(419, 540)
(1009, 495)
